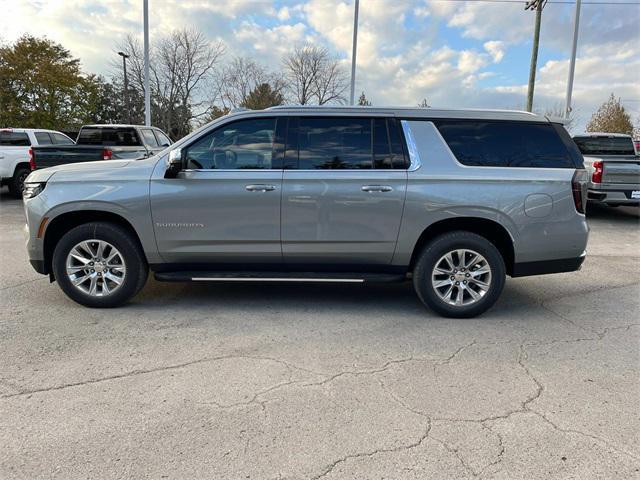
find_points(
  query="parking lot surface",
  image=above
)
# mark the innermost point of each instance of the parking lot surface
(268, 381)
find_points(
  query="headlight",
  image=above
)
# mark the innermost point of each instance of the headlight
(32, 189)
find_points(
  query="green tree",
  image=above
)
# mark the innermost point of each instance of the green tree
(362, 101)
(214, 113)
(611, 117)
(103, 102)
(41, 85)
(263, 96)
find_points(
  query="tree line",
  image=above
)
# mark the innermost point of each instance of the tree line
(192, 81)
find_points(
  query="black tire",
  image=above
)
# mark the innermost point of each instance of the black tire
(435, 250)
(16, 184)
(137, 269)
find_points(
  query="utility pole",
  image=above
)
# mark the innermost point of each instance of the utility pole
(538, 5)
(147, 92)
(353, 53)
(126, 85)
(572, 64)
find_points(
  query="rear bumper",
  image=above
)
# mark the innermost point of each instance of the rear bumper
(548, 266)
(613, 194)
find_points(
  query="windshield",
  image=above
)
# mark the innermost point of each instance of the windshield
(605, 145)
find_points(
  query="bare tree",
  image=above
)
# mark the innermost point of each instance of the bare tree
(182, 64)
(243, 76)
(312, 74)
(557, 112)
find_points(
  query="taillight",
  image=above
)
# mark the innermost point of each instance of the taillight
(106, 154)
(578, 188)
(597, 172)
(32, 162)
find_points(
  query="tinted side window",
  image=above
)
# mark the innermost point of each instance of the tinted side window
(60, 139)
(334, 143)
(238, 145)
(43, 138)
(14, 139)
(505, 144)
(149, 137)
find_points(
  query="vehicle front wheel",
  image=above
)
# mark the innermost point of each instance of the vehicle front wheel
(459, 274)
(99, 264)
(16, 184)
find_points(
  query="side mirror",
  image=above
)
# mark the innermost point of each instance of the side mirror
(174, 163)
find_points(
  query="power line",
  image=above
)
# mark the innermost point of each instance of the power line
(557, 2)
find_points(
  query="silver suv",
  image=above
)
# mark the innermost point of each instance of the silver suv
(453, 200)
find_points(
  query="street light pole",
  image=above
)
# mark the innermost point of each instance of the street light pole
(538, 5)
(147, 93)
(353, 53)
(572, 63)
(126, 85)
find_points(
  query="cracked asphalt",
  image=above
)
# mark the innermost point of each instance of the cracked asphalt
(269, 381)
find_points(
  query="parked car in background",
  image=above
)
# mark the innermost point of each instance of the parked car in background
(15, 144)
(613, 165)
(104, 142)
(454, 200)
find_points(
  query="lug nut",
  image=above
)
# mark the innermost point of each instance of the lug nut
(468, 275)
(457, 283)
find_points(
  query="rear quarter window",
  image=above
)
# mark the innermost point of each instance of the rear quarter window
(506, 144)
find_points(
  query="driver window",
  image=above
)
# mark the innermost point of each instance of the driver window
(246, 144)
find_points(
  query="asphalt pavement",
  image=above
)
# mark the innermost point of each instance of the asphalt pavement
(267, 381)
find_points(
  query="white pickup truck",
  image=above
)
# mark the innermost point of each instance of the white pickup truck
(15, 156)
(613, 166)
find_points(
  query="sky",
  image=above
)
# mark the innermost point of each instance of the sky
(456, 54)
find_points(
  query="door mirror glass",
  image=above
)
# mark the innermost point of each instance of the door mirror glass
(174, 163)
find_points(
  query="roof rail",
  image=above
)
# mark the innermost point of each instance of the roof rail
(239, 109)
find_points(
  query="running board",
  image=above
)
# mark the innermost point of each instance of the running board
(326, 277)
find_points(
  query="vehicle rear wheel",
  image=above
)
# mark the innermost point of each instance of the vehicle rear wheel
(100, 265)
(16, 184)
(459, 274)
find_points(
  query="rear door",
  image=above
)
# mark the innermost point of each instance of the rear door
(343, 192)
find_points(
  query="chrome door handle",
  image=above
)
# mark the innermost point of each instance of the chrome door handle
(377, 188)
(260, 188)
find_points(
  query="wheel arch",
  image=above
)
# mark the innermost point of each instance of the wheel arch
(64, 222)
(489, 229)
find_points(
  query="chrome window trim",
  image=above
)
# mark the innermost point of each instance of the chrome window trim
(414, 157)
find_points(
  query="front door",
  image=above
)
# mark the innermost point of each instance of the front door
(224, 208)
(343, 192)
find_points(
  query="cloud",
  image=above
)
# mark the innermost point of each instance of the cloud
(495, 48)
(456, 54)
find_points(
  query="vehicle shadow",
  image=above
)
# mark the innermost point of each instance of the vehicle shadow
(618, 214)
